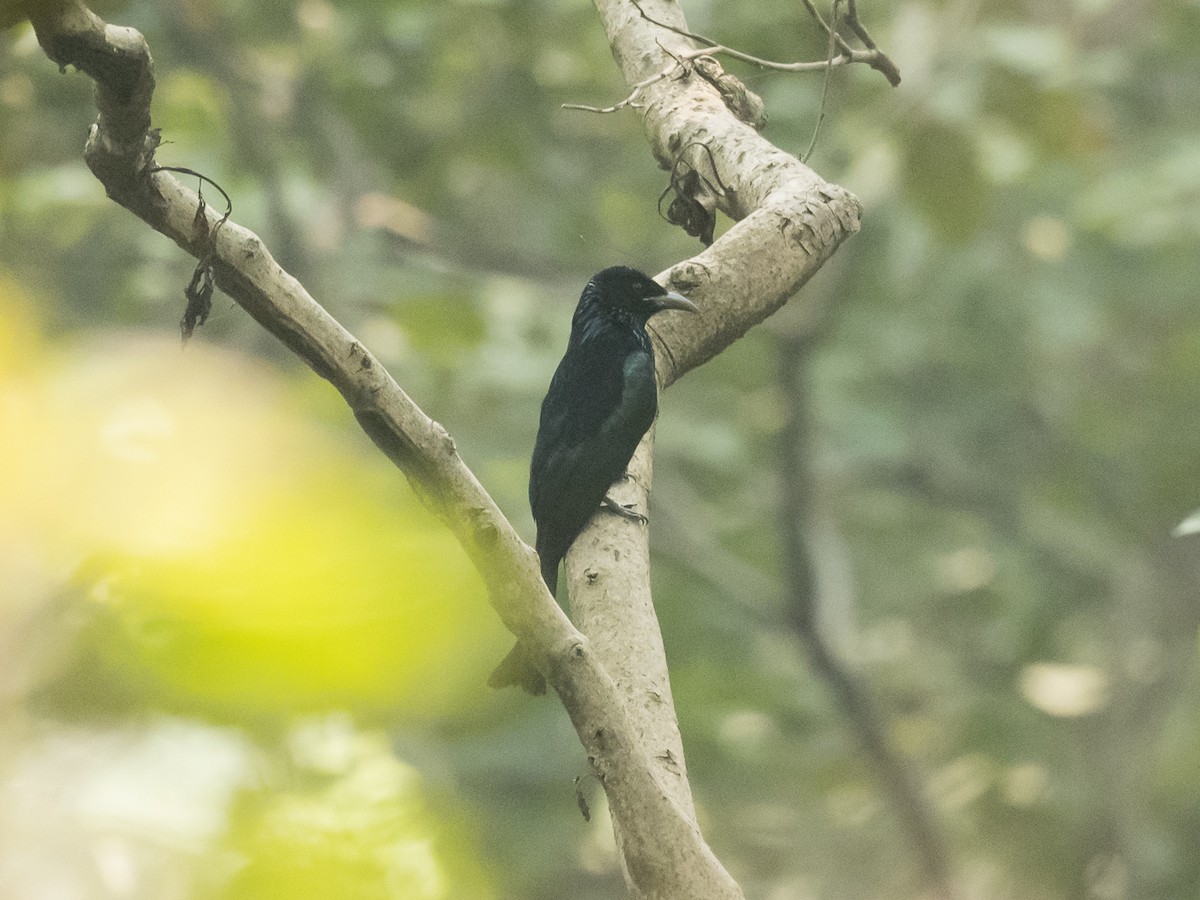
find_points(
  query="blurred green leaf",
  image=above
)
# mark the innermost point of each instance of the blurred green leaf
(942, 179)
(442, 327)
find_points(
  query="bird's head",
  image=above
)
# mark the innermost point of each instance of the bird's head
(628, 293)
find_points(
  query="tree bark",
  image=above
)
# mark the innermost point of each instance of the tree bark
(791, 222)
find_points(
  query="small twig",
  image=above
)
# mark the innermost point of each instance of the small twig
(856, 26)
(873, 57)
(841, 60)
(689, 55)
(680, 62)
(881, 62)
(832, 32)
(833, 39)
(713, 47)
(616, 107)
(680, 31)
(629, 101)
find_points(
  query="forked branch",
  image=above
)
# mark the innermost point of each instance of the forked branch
(667, 851)
(845, 54)
(789, 221)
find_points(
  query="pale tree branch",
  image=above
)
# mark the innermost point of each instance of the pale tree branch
(872, 56)
(667, 849)
(790, 222)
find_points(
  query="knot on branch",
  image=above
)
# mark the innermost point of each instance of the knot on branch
(689, 276)
(484, 529)
(741, 101)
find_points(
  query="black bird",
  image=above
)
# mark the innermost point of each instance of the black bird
(602, 399)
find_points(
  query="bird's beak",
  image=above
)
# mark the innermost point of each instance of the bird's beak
(672, 300)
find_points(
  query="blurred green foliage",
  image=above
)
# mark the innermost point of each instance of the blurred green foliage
(206, 568)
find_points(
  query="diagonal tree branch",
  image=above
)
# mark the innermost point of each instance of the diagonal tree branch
(790, 223)
(668, 852)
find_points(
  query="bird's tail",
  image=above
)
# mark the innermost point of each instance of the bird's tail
(515, 670)
(550, 575)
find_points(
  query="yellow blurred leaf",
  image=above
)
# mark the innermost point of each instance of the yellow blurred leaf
(364, 830)
(247, 560)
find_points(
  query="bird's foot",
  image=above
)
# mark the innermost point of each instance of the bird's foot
(624, 510)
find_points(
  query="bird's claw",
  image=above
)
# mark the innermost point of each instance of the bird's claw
(624, 510)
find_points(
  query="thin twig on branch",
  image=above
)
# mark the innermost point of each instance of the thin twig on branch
(872, 56)
(833, 39)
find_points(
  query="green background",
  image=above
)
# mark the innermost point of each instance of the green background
(237, 659)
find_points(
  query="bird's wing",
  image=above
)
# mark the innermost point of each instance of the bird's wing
(592, 419)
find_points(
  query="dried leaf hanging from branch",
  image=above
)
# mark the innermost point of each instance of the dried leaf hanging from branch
(199, 290)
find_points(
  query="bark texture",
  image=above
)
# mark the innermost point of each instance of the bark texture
(790, 222)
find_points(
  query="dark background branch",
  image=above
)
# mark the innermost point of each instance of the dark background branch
(898, 777)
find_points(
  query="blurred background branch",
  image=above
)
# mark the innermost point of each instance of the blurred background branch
(806, 609)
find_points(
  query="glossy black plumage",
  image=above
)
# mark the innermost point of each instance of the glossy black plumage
(602, 400)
